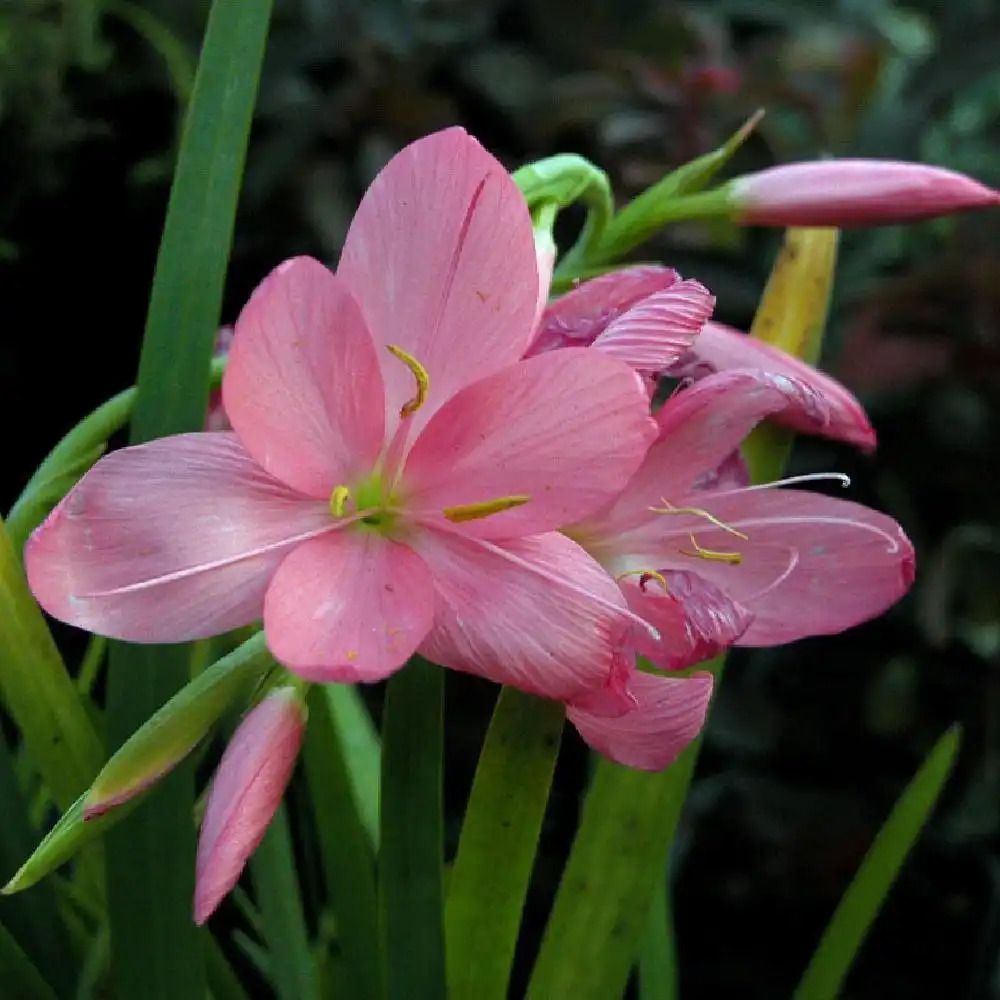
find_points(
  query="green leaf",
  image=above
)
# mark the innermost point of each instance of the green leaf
(331, 756)
(223, 984)
(155, 952)
(668, 200)
(33, 920)
(864, 897)
(21, 980)
(410, 855)
(172, 732)
(603, 903)
(292, 967)
(39, 693)
(489, 880)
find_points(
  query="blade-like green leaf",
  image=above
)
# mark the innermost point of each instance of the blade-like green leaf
(33, 920)
(346, 848)
(410, 855)
(489, 880)
(155, 949)
(293, 969)
(864, 897)
(39, 693)
(172, 732)
(20, 979)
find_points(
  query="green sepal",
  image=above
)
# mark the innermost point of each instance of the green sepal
(178, 727)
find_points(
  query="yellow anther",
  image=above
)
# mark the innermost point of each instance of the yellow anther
(339, 496)
(644, 576)
(669, 508)
(733, 558)
(474, 511)
(423, 380)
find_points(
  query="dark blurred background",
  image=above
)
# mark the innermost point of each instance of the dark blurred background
(809, 745)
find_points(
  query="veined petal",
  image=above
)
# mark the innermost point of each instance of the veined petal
(657, 331)
(168, 541)
(695, 619)
(839, 416)
(579, 317)
(303, 389)
(441, 258)
(537, 613)
(350, 606)
(699, 428)
(566, 430)
(810, 565)
(246, 791)
(669, 713)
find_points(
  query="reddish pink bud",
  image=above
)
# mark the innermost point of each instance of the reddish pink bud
(247, 788)
(854, 193)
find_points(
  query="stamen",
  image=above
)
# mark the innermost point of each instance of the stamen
(669, 508)
(339, 496)
(474, 511)
(645, 575)
(733, 558)
(423, 380)
(809, 477)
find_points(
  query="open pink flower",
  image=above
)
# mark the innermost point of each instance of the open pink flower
(396, 473)
(740, 564)
(246, 792)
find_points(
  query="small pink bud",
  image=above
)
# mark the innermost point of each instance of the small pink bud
(846, 193)
(247, 788)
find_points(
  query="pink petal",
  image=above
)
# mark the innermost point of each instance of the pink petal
(578, 318)
(441, 257)
(537, 613)
(811, 565)
(695, 619)
(350, 606)
(657, 331)
(669, 713)
(168, 541)
(830, 410)
(566, 429)
(855, 192)
(247, 789)
(302, 388)
(699, 429)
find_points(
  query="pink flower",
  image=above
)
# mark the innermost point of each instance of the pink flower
(246, 792)
(854, 193)
(649, 318)
(829, 408)
(754, 566)
(396, 473)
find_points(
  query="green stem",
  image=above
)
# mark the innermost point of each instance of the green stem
(410, 855)
(503, 821)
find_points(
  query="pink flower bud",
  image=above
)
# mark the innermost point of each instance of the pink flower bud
(854, 193)
(247, 788)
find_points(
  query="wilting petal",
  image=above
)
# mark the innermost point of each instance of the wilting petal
(168, 541)
(537, 613)
(247, 789)
(350, 606)
(566, 430)
(854, 192)
(441, 258)
(578, 318)
(699, 429)
(669, 713)
(657, 331)
(810, 565)
(694, 618)
(830, 409)
(302, 388)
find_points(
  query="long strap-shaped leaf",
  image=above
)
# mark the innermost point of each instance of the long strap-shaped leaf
(156, 951)
(859, 906)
